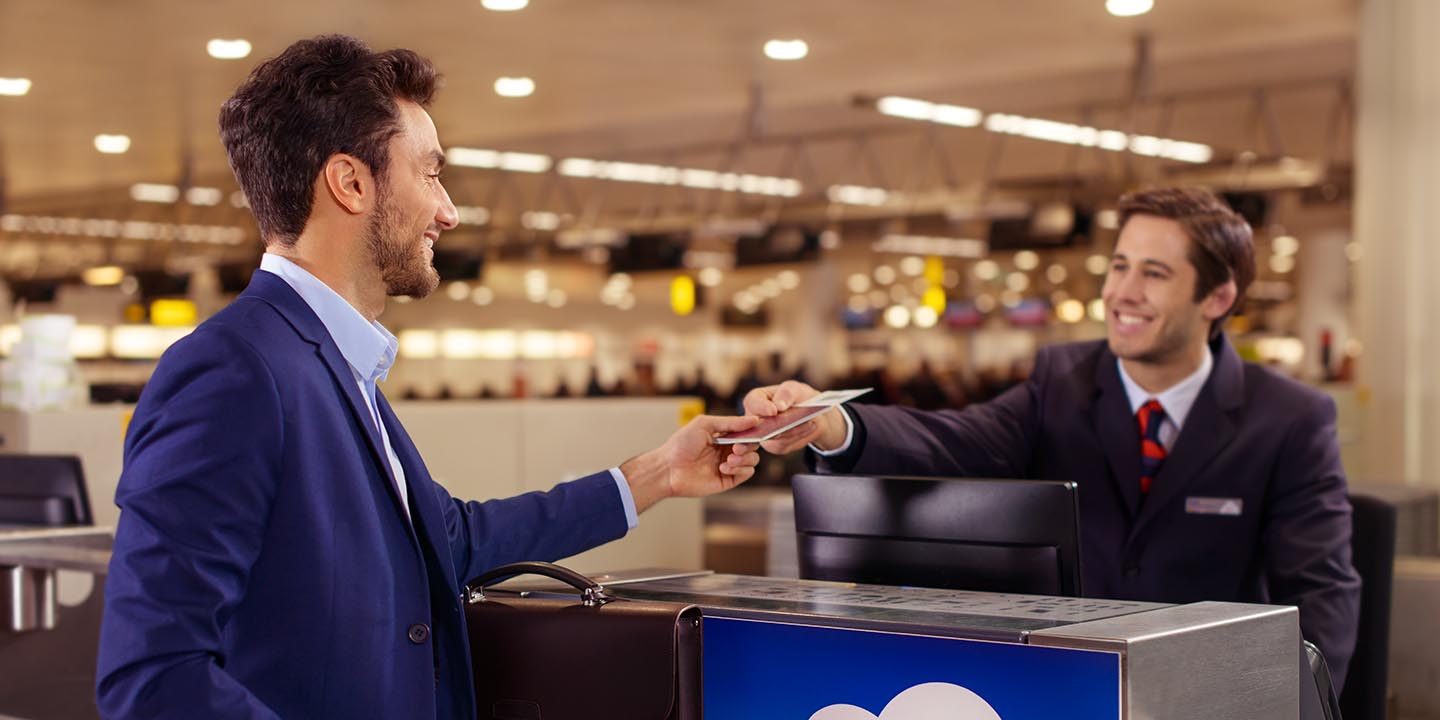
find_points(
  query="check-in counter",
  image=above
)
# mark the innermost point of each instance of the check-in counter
(779, 647)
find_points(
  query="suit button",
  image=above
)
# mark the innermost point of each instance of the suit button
(418, 633)
(1132, 570)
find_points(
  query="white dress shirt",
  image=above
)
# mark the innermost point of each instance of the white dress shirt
(1176, 400)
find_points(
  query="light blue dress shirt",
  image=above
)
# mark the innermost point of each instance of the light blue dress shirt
(369, 349)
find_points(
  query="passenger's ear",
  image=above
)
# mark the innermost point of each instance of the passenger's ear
(349, 183)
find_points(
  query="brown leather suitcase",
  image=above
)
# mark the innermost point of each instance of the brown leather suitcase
(593, 657)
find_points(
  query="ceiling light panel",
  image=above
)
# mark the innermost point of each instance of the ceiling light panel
(222, 49)
(112, 144)
(514, 87)
(792, 49)
(14, 87)
(504, 5)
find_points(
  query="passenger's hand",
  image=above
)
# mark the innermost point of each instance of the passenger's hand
(826, 431)
(690, 464)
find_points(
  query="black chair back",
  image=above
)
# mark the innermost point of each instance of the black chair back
(1373, 551)
(43, 490)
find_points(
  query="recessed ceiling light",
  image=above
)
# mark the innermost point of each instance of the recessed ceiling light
(786, 49)
(112, 144)
(14, 86)
(504, 5)
(228, 49)
(514, 87)
(1129, 8)
(154, 192)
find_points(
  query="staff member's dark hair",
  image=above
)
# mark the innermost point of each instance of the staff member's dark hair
(1222, 246)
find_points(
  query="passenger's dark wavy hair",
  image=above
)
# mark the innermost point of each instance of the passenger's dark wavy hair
(322, 96)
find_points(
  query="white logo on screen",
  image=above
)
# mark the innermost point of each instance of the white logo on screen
(930, 701)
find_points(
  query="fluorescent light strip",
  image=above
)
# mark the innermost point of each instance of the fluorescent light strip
(1048, 130)
(926, 245)
(152, 192)
(858, 195)
(14, 87)
(205, 196)
(539, 220)
(87, 342)
(1085, 136)
(202, 196)
(697, 178)
(126, 229)
(913, 109)
(144, 342)
(462, 344)
(472, 214)
(496, 160)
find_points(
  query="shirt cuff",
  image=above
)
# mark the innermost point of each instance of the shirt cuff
(632, 518)
(849, 437)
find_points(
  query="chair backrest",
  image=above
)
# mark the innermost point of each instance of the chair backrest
(1373, 551)
(43, 490)
(1019, 536)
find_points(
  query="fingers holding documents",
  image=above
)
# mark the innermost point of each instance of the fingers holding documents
(775, 399)
(690, 464)
(699, 467)
(826, 431)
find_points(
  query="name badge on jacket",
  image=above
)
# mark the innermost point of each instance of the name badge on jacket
(1213, 506)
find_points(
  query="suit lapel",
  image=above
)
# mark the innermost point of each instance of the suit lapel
(345, 379)
(425, 511)
(1208, 429)
(273, 290)
(1118, 434)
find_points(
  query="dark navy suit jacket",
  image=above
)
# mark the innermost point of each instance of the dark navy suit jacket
(263, 564)
(1252, 435)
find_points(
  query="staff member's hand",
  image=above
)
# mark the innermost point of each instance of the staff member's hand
(690, 464)
(826, 431)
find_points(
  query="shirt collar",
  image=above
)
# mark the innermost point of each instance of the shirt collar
(366, 345)
(1177, 399)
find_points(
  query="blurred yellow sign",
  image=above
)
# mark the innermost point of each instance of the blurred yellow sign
(934, 298)
(172, 313)
(682, 295)
(934, 270)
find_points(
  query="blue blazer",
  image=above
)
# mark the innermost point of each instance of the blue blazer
(263, 564)
(1252, 436)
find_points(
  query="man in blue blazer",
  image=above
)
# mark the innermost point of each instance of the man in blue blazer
(1200, 477)
(282, 551)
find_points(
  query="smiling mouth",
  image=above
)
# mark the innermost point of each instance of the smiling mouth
(1129, 321)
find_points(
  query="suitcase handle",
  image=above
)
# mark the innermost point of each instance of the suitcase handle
(592, 594)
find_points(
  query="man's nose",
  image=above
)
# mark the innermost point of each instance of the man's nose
(447, 216)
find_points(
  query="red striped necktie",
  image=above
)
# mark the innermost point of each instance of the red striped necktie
(1152, 454)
